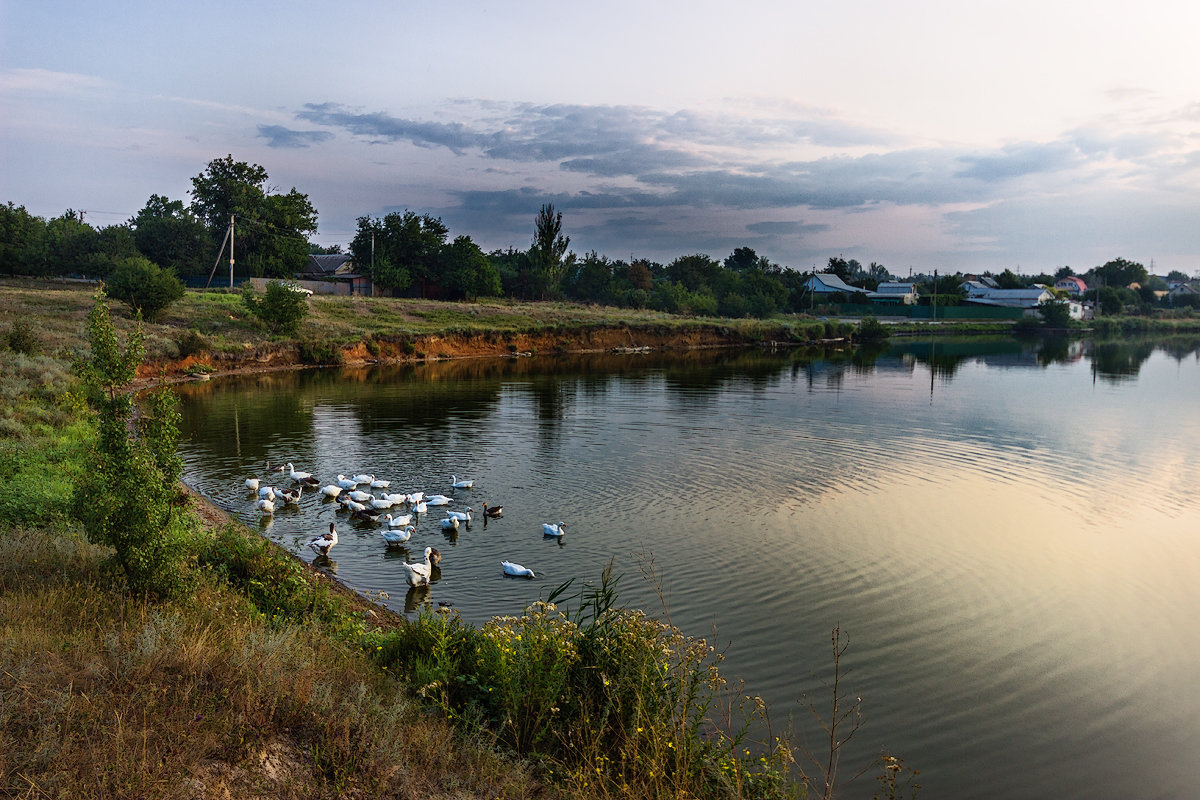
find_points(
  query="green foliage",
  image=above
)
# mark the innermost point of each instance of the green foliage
(20, 338)
(271, 229)
(612, 696)
(170, 235)
(548, 259)
(280, 308)
(1055, 314)
(872, 330)
(319, 351)
(127, 497)
(144, 286)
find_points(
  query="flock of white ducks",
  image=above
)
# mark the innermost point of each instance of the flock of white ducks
(367, 507)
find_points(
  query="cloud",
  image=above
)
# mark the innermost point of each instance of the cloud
(279, 136)
(48, 82)
(786, 228)
(1020, 159)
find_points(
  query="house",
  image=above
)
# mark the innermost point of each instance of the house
(1182, 290)
(983, 295)
(1071, 285)
(894, 293)
(326, 267)
(826, 283)
(334, 274)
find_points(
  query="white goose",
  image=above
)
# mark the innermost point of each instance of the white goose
(396, 538)
(362, 477)
(252, 484)
(415, 497)
(418, 574)
(325, 542)
(266, 506)
(450, 524)
(516, 570)
(295, 475)
(379, 483)
(395, 498)
(554, 530)
(398, 521)
(359, 496)
(457, 484)
(332, 490)
(267, 493)
(346, 483)
(380, 503)
(461, 516)
(420, 508)
(438, 500)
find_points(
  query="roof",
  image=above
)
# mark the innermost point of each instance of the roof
(893, 287)
(327, 264)
(1013, 298)
(831, 283)
(1077, 281)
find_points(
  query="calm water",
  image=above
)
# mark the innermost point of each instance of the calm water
(1010, 535)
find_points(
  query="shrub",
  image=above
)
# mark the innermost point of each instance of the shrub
(280, 308)
(20, 338)
(318, 351)
(192, 342)
(872, 330)
(127, 497)
(144, 286)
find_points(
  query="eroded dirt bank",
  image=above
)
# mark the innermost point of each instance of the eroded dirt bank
(286, 355)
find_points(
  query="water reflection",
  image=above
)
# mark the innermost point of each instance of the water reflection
(1035, 555)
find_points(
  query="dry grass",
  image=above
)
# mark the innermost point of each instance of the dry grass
(105, 695)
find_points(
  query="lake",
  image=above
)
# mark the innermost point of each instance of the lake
(1009, 533)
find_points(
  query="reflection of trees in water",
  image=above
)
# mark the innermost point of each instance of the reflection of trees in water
(1118, 361)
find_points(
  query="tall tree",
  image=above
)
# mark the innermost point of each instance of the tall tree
(271, 229)
(172, 236)
(548, 255)
(404, 249)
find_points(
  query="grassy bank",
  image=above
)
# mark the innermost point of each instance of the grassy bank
(266, 679)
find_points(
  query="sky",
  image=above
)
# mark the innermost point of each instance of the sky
(927, 134)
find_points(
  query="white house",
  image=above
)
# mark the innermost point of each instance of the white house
(894, 293)
(827, 283)
(983, 295)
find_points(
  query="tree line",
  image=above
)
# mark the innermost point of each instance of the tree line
(410, 254)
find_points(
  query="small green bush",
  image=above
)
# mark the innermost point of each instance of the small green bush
(144, 286)
(20, 338)
(280, 308)
(872, 330)
(317, 351)
(192, 342)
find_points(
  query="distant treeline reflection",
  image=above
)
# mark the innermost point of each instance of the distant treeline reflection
(440, 395)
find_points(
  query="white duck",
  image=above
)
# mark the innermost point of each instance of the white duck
(517, 570)
(267, 493)
(296, 475)
(325, 542)
(252, 484)
(362, 477)
(346, 483)
(461, 516)
(415, 497)
(354, 506)
(457, 484)
(359, 496)
(398, 521)
(420, 508)
(379, 483)
(438, 500)
(450, 524)
(266, 506)
(554, 530)
(380, 503)
(332, 490)
(395, 498)
(418, 574)
(396, 538)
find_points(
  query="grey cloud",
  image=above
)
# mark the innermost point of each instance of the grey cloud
(279, 136)
(1020, 159)
(786, 228)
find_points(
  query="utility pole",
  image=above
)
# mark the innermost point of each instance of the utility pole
(231, 251)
